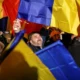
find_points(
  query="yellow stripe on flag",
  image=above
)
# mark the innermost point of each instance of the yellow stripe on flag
(23, 64)
(1, 9)
(65, 15)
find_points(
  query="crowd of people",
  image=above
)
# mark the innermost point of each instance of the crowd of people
(46, 36)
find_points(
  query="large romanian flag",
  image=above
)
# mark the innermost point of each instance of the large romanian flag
(23, 64)
(18, 62)
(63, 14)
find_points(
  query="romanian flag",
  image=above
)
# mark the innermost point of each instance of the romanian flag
(23, 64)
(59, 61)
(11, 7)
(63, 14)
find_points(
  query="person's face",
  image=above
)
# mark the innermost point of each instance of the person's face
(16, 26)
(36, 40)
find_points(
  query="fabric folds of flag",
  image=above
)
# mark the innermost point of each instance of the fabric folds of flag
(38, 11)
(65, 15)
(11, 7)
(59, 61)
(62, 14)
(23, 64)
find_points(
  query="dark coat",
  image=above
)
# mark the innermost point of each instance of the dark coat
(74, 49)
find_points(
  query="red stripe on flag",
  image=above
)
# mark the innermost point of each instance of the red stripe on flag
(11, 8)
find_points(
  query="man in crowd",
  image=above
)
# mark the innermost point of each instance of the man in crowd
(35, 41)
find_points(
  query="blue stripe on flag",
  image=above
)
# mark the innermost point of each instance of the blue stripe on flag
(39, 11)
(59, 61)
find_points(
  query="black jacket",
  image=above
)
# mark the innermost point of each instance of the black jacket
(74, 49)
